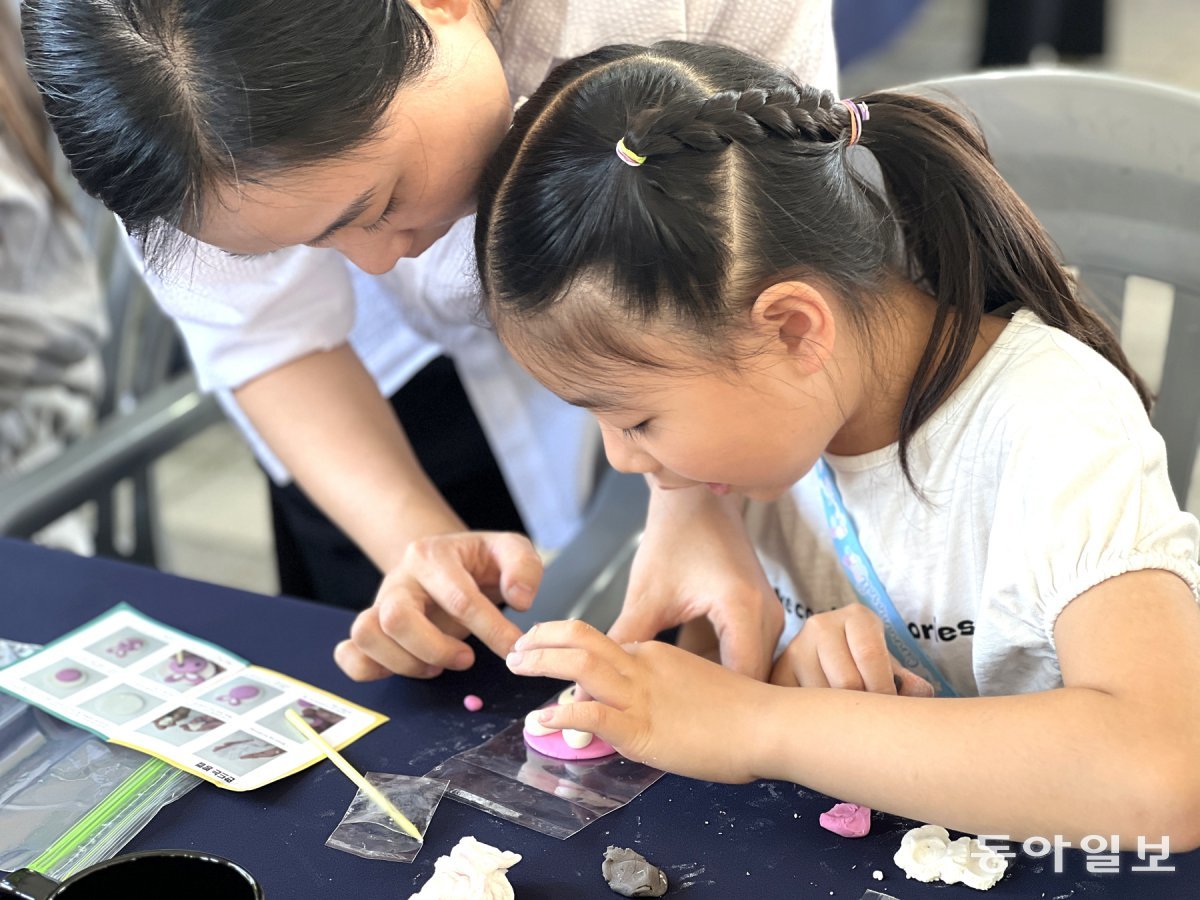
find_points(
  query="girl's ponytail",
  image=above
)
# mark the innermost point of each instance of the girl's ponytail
(971, 242)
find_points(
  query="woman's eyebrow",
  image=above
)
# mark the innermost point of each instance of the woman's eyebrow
(356, 208)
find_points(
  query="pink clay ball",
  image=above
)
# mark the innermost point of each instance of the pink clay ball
(473, 703)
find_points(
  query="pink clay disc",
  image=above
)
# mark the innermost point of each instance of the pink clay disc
(847, 819)
(553, 745)
(473, 703)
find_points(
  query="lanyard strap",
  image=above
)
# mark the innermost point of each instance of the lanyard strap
(868, 587)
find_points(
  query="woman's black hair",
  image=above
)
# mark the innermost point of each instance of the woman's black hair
(747, 182)
(157, 102)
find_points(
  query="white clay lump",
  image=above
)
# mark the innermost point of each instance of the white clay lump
(928, 854)
(576, 739)
(533, 726)
(572, 738)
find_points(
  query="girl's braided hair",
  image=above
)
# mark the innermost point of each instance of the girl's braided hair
(747, 181)
(744, 117)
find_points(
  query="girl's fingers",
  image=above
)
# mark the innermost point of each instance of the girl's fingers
(597, 677)
(572, 633)
(782, 673)
(910, 684)
(868, 648)
(807, 666)
(594, 717)
(837, 663)
(640, 622)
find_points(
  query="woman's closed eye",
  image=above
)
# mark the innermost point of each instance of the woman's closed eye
(378, 225)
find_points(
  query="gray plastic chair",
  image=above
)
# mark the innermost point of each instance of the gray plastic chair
(1111, 166)
(146, 411)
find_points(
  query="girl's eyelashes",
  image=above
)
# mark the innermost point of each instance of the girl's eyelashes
(378, 224)
(636, 431)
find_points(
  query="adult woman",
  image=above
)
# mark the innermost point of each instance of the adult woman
(356, 131)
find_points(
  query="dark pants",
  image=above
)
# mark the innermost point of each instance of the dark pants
(1013, 28)
(317, 561)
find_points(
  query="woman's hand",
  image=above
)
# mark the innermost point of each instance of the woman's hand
(845, 648)
(446, 587)
(696, 561)
(653, 702)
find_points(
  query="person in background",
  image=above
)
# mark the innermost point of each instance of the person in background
(1013, 29)
(300, 178)
(52, 317)
(944, 456)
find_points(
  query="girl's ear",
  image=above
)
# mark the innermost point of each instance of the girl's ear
(797, 318)
(443, 12)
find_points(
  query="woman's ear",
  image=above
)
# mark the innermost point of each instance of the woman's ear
(798, 319)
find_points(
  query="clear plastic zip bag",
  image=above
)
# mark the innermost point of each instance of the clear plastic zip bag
(68, 799)
(369, 832)
(509, 779)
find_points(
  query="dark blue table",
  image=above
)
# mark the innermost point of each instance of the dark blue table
(715, 841)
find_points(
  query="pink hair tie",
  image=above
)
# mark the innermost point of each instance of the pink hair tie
(858, 114)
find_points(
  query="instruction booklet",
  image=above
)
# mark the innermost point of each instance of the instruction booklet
(136, 682)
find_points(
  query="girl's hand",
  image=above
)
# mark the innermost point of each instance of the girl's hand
(653, 702)
(845, 648)
(695, 561)
(446, 587)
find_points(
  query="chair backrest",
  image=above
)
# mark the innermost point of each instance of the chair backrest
(1111, 166)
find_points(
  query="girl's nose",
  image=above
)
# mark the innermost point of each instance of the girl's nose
(624, 455)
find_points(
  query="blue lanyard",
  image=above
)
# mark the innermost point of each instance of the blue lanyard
(868, 587)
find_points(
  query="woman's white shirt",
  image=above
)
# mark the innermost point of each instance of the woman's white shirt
(243, 317)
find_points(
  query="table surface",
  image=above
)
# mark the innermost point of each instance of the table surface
(759, 840)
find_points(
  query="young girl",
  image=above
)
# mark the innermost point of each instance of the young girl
(324, 144)
(920, 411)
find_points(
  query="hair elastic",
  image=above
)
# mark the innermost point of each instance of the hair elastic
(627, 156)
(858, 114)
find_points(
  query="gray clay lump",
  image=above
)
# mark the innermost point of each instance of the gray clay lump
(630, 875)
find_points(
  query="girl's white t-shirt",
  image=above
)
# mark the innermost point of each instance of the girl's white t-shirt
(243, 317)
(1042, 477)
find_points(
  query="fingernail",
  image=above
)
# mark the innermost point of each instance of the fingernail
(514, 659)
(431, 671)
(545, 714)
(523, 640)
(462, 660)
(520, 593)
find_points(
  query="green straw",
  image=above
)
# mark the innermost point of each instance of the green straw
(84, 830)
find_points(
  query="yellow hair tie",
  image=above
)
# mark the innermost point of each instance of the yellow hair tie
(627, 156)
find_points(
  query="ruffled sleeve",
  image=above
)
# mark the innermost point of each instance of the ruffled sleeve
(1082, 499)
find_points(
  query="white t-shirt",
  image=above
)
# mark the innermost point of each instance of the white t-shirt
(243, 317)
(1043, 478)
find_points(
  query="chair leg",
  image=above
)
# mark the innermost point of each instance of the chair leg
(145, 520)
